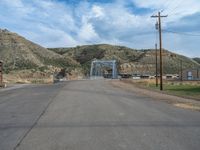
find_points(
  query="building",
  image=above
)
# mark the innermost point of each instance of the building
(190, 74)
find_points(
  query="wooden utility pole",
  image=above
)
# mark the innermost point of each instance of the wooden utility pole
(1, 73)
(156, 64)
(160, 39)
(181, 70)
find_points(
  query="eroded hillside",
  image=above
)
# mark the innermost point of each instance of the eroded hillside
(129, 60)
(26, 59)
(18, 53)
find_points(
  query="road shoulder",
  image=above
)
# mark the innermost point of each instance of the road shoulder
(157, 95)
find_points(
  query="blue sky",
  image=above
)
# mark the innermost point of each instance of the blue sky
(67, 23)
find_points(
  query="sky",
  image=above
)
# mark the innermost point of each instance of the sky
(69, 23)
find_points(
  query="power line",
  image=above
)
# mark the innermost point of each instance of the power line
(181, 33)
(171, 12)
(167, 4)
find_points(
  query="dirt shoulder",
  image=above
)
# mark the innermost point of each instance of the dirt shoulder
(157, 95)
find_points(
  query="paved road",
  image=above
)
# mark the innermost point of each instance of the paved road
(92, 115)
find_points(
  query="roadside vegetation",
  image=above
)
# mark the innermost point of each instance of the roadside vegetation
(184, 95)
(185, 89)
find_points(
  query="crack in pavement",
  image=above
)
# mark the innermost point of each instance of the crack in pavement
(35, 123)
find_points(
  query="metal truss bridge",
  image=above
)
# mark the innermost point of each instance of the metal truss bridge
(104, 68)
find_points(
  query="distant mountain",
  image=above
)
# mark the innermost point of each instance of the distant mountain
(19, 53)
(197, 59)
(129, 60)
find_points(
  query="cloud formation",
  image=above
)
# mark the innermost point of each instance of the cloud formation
(66, 23)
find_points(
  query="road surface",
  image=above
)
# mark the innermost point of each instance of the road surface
(92, 115)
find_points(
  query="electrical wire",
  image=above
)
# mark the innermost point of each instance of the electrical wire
(167, 4)
(181, 33)
(172, 11)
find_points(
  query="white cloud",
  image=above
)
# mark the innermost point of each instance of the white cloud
(37, 22)
(98, 11)
(57, 24)
(87, 33)
(180, 8)
(53, 37)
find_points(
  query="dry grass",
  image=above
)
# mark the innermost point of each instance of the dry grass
(26, 76)
(36, 77)
(185, 89)
(187, 106)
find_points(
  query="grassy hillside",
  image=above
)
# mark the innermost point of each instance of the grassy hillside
(129, 60)
(85, 54)
(27, 62)
(18, 53)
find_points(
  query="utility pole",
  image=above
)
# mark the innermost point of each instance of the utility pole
(181, 70)
(156, 64)
(160, 39)
(1, 73)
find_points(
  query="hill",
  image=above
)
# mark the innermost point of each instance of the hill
(197, 59)
(85, 54)
(27, 59)
(129, 60)
(19, 54)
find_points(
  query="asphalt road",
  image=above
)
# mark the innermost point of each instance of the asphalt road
(92, 115)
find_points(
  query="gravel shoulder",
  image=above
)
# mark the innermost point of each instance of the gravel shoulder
(158, 95)
(13, 87)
